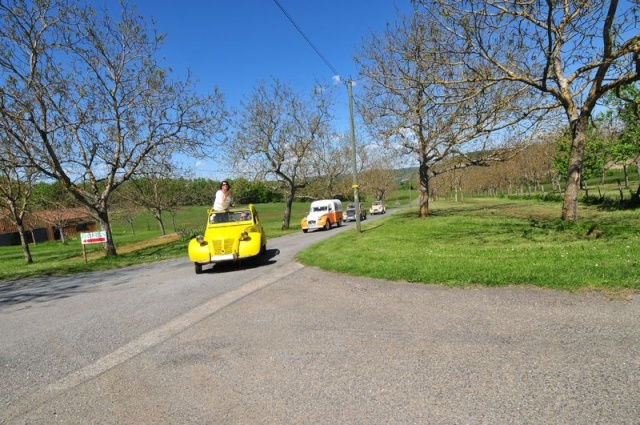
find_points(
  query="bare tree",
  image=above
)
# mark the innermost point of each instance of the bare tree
(330, 164)
(157, 189)
(16, 184)
(123, 209)
(278, 130)
(89, 88)
(417, 102)
(378, 177)
(626, 102)
(568, 53)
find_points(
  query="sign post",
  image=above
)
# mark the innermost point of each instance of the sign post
(91, 237)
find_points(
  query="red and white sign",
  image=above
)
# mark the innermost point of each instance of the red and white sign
(93, 237)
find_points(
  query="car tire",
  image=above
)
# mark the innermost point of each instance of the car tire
(305, 230)
(198, 268)
(259, 259)
(327, 225)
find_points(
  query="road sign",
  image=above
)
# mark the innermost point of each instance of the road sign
(93, 237)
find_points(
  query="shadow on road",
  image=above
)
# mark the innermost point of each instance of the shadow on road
(250, 263)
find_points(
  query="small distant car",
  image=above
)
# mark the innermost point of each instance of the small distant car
(377, 207)
(323, 214)
(230, 235)
(350, 213)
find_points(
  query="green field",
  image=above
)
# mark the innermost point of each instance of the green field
(135, 245)
(482, 241)
(495, 243)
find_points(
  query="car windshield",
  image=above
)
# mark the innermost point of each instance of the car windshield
(319, 209)
(241, 216)
(231, 216)
(351, 206)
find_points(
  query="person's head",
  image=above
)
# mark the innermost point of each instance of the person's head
(225, 183)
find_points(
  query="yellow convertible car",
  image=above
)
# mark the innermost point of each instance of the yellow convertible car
(230, 235)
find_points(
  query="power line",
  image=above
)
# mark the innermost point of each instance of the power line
(324, 59)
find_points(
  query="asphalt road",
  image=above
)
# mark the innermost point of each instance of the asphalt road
(280, 343)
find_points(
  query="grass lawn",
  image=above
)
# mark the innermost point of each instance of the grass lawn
(481, 241)
(492, 242)
(141, 243)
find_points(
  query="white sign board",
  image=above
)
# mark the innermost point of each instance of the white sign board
(93, 237)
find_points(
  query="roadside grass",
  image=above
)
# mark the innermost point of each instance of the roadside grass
(482, 241)
(144, 244)
(492, 242)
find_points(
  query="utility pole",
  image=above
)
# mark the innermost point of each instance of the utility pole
(354, 166)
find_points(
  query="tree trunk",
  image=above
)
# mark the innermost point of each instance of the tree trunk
(286, 219)
(158, 216)
(423, 175)
(574, 171)
(626, 176)
(25, 245)
(109, 246)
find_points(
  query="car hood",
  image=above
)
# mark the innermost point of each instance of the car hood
(227, 231)
(315, 215)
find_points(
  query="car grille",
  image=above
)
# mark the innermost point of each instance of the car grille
(222, 246)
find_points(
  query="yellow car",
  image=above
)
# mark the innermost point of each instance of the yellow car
(230, 235)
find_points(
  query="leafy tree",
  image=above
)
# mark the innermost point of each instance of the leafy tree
(626, 102)
(253, 192)
(200, 191)
(87, 89)
(52, 195)
(566, 54)
(598, 152)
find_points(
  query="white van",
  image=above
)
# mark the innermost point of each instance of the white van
(323, 214)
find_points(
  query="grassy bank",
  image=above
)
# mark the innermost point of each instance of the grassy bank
(137, 244)
(491, 242)
(483, 241)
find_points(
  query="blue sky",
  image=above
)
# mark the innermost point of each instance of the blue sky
(235, 44)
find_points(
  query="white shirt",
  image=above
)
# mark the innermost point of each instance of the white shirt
(221, 202)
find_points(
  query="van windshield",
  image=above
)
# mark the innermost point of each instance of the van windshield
(320, 208)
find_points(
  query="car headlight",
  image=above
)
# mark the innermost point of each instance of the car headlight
(244, 236)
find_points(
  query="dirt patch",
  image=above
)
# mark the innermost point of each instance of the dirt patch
(136, 246)
(160, 240)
